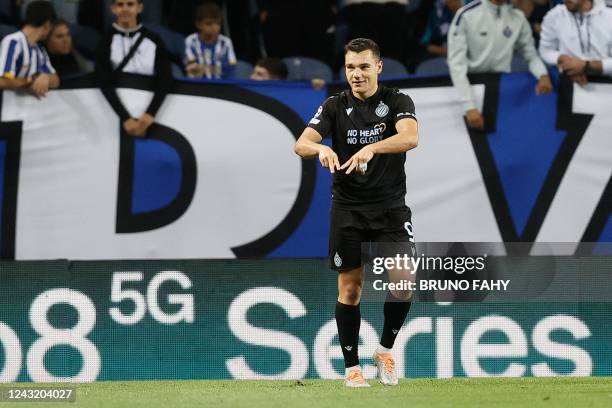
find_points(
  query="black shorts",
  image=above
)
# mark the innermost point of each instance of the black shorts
(350, 228)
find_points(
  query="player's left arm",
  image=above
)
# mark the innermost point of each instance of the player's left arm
(406, 138)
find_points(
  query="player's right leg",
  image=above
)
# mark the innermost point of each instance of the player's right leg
(345, 258)
(348, 320)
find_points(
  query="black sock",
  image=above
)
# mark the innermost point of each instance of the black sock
(395, 312)
(348, 319)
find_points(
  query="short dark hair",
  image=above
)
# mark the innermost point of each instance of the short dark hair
(362, 44)
(59, 22)
(275, 66)
(38, 13)
(208, 11)
(137, 1)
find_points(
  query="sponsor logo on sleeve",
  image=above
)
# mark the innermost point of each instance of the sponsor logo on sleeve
(314, 120)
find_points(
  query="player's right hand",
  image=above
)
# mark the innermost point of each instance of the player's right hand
(474, 119)
(328, 158)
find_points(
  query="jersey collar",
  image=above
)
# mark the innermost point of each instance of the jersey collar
(127, 32)
(368, 101)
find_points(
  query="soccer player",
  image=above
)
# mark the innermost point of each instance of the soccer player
(371, 127)
(24, 65)
(131, 48)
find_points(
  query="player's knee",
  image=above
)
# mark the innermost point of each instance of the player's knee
(350, 293)
(402, 295)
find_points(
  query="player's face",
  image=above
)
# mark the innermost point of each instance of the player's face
(209, 28)
(126, 12)
(260, 74)
(362, 70)
(60, 41)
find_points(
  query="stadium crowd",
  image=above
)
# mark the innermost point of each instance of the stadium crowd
(45, 40)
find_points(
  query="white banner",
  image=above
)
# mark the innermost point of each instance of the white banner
(249, 189)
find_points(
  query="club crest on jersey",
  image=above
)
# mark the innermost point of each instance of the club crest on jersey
(507, 32)
(381, 110)
(337, 260)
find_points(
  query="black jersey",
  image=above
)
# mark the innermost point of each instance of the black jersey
(352, 124)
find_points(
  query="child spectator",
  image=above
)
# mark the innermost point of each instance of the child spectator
(131, 48)
(208, 53)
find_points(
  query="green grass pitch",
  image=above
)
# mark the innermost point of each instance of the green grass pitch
(465, 392)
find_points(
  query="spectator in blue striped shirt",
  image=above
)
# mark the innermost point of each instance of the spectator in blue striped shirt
(24, 64)
(208, 53)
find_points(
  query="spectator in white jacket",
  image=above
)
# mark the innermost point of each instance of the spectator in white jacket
(577, 37)
(482, 38)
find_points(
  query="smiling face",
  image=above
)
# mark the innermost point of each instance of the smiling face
(126, 12)
(362, 70)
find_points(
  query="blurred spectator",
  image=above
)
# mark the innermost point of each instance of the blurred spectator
(64, 58)
(267, 69)
(25, 65)
(534, 11)
(131, 48)
(384, 21)
(577, 36)
(65, 9)
(435, 38)
(208, 53)
(482, 38)
(275, 69)
(239, 23)
(302, 28)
